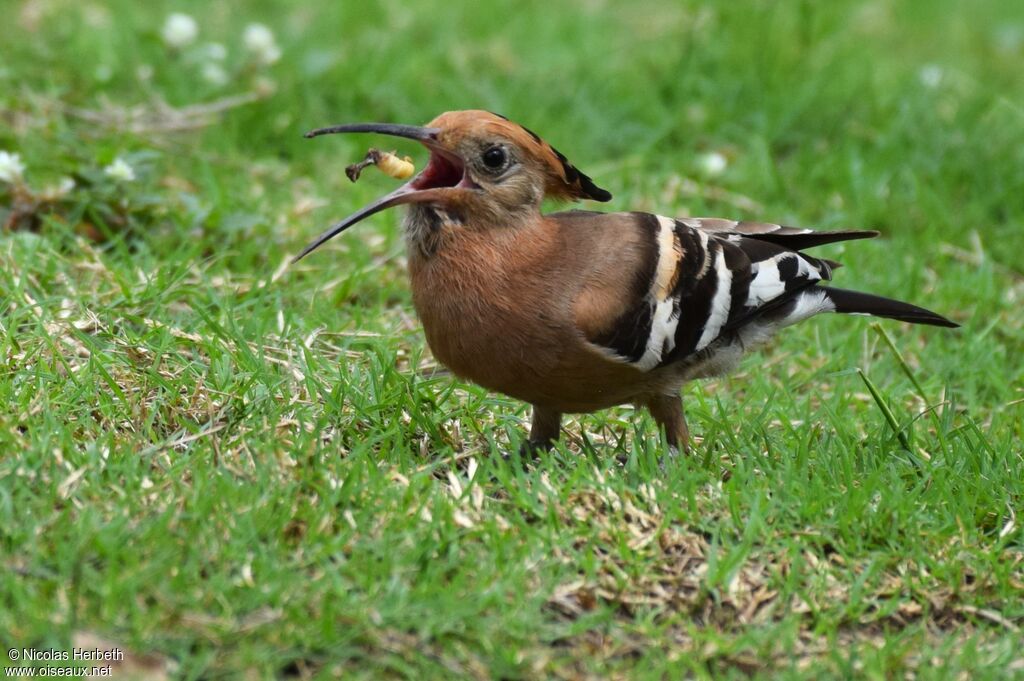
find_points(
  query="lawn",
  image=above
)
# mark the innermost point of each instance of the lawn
(228, 466)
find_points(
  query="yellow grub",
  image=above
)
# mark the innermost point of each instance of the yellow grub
(388, 162)
(398, 168)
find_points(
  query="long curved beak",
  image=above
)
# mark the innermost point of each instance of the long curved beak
(407, 193)
(404, 194)
(412, 132)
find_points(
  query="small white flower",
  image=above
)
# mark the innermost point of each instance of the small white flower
(259, 40)
(930, 76)
(257, 37)
(120, 170)
(11, 167)
(712, 163)
(179, 30)
(215, 51)
(245, 578)
(214, 73)
(58, 191)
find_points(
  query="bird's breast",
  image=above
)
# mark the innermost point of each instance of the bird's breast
(480, 319)
(500, 314)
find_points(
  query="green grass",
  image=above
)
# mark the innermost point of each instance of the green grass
(230, 467)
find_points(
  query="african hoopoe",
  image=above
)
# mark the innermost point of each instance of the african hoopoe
(579, 311)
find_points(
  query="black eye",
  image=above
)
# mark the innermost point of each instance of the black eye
(495, 158)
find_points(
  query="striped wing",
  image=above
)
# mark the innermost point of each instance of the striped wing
(710, 277)
(793, 238)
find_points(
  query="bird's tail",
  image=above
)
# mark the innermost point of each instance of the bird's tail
(855, 302)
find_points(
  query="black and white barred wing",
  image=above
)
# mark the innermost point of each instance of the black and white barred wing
(702, 283)
(791, 238)
(747, 234)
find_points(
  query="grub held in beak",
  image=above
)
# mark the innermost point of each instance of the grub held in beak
(440, 180)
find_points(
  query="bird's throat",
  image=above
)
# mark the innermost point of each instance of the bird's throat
(425, 227)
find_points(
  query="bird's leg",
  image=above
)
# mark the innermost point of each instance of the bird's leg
(667, 411)
(544, 430)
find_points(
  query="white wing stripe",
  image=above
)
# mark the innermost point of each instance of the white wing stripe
(663, 327)
(766, 284)
(720, 303)
(663, 322)
(809, 304)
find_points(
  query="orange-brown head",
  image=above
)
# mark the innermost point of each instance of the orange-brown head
(484, 169)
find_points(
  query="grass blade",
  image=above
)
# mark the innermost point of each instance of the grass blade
(899, 358)
(886, 411)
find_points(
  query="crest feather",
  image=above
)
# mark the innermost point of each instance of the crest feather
(577, 185)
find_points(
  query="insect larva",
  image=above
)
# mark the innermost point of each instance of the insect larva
(389, 163)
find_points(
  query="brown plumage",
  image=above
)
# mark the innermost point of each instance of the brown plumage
(580, 311)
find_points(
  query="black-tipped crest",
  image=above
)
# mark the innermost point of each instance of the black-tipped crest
(582, 186)
(588, 189)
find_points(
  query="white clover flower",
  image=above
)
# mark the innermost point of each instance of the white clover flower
(712, 163)
(259, 41)
(179, 30)
(58, 191)
(120, 170)
(257, 37)
(214, 74)
(930, 76)
(11, 167)
(215, 51)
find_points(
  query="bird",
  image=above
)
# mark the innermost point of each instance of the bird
(578, 311)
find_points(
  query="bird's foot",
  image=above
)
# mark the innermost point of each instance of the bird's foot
(530, 450)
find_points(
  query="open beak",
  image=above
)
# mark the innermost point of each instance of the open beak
(443, 173)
